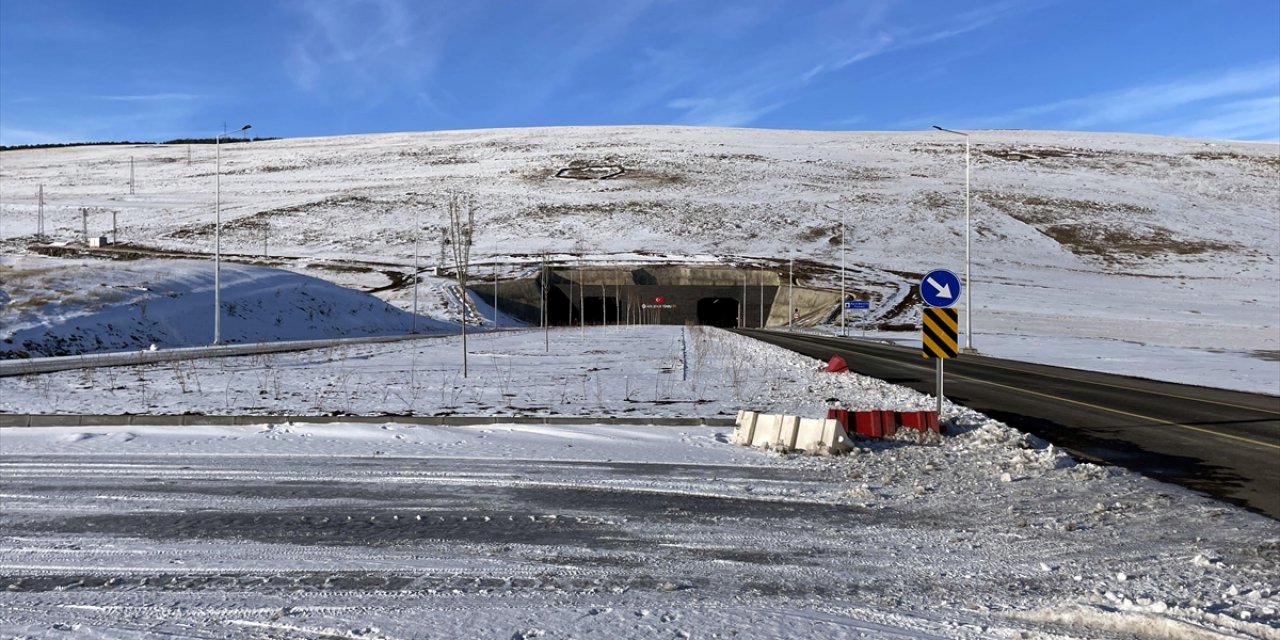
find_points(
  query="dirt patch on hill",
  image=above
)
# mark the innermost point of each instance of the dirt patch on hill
(1111, 231)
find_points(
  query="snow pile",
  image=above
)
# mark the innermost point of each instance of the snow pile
(65, 307)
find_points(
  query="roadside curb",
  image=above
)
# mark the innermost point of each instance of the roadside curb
(186, 420)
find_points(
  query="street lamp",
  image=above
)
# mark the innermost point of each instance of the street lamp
(842, 223)
(968, 283)
(217, 235)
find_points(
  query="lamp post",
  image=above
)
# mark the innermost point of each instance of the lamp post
(217, 235)
(968, 283)
(842, 270)
(417, 235)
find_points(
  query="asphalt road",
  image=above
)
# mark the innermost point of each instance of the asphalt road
(1223, 443)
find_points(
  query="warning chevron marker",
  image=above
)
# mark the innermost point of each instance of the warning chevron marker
(938, 333)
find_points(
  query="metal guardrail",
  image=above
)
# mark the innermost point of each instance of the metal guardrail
(184, 420)
(27, 366)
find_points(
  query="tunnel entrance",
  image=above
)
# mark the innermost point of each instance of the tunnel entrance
(560, 312)
(598, 310)
(719, 296)
(718, 312)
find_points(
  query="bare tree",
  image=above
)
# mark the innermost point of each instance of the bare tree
(458, 237)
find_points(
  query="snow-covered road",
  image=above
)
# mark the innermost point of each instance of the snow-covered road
(506, 531)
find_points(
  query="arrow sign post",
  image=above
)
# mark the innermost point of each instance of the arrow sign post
(939, 289)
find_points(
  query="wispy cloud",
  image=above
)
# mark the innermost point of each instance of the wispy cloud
(362, 45)
(832, 41)
(1241, 103)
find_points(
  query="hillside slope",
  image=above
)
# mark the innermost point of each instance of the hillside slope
(1116, 237)
(67, 307)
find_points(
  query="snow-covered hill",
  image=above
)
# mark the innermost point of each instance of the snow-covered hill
(62, 307)
(1112, 237)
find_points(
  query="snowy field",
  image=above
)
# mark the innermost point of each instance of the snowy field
(1130, 254)
(519, 531)
(1166, 249)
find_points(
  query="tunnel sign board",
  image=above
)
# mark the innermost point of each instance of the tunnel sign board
(853, 305)
(938, 333)
(940, 288)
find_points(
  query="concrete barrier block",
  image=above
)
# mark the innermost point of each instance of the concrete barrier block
(768, 431)
(835, 437)
(809, 435)
(787, 432)
(746, 428)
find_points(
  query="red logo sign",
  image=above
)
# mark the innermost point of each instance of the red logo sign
(659, 299)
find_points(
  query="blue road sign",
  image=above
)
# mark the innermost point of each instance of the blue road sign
(940, 288)
(856, 304)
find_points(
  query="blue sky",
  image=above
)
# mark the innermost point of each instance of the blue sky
(92, 70)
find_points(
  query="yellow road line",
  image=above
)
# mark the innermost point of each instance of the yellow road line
(1099, 407)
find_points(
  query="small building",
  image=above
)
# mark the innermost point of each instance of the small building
(98, 242)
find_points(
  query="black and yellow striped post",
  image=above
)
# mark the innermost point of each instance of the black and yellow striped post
(938, 331)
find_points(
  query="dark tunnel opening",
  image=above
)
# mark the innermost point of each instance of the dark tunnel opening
(718, 312)
(598, 310)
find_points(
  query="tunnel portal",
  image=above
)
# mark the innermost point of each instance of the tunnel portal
(715, 295)
(718, 312)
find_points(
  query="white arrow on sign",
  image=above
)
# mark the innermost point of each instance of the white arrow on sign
(944, 291)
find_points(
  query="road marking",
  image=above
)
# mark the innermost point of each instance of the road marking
(1094, 406)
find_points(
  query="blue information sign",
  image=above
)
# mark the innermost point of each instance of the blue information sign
(940, 288)
(856, 304)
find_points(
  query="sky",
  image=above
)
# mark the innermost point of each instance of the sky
(153, 70)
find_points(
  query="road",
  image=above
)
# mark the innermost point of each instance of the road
(1223, 443)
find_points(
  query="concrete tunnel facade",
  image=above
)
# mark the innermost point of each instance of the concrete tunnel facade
(714, 295)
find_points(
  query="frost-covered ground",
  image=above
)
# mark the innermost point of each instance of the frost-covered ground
(519, 531)
(1107, 239)
(600, 371)
(1132, 254)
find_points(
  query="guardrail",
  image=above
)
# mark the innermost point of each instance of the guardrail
(26, 366)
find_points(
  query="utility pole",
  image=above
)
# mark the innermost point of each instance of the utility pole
(495, 292)
(131, 175)
(114, 238)
(791, 285)
(546, 324)
(417, 232)
(84, 225)
(266, 230)
(40, 209)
